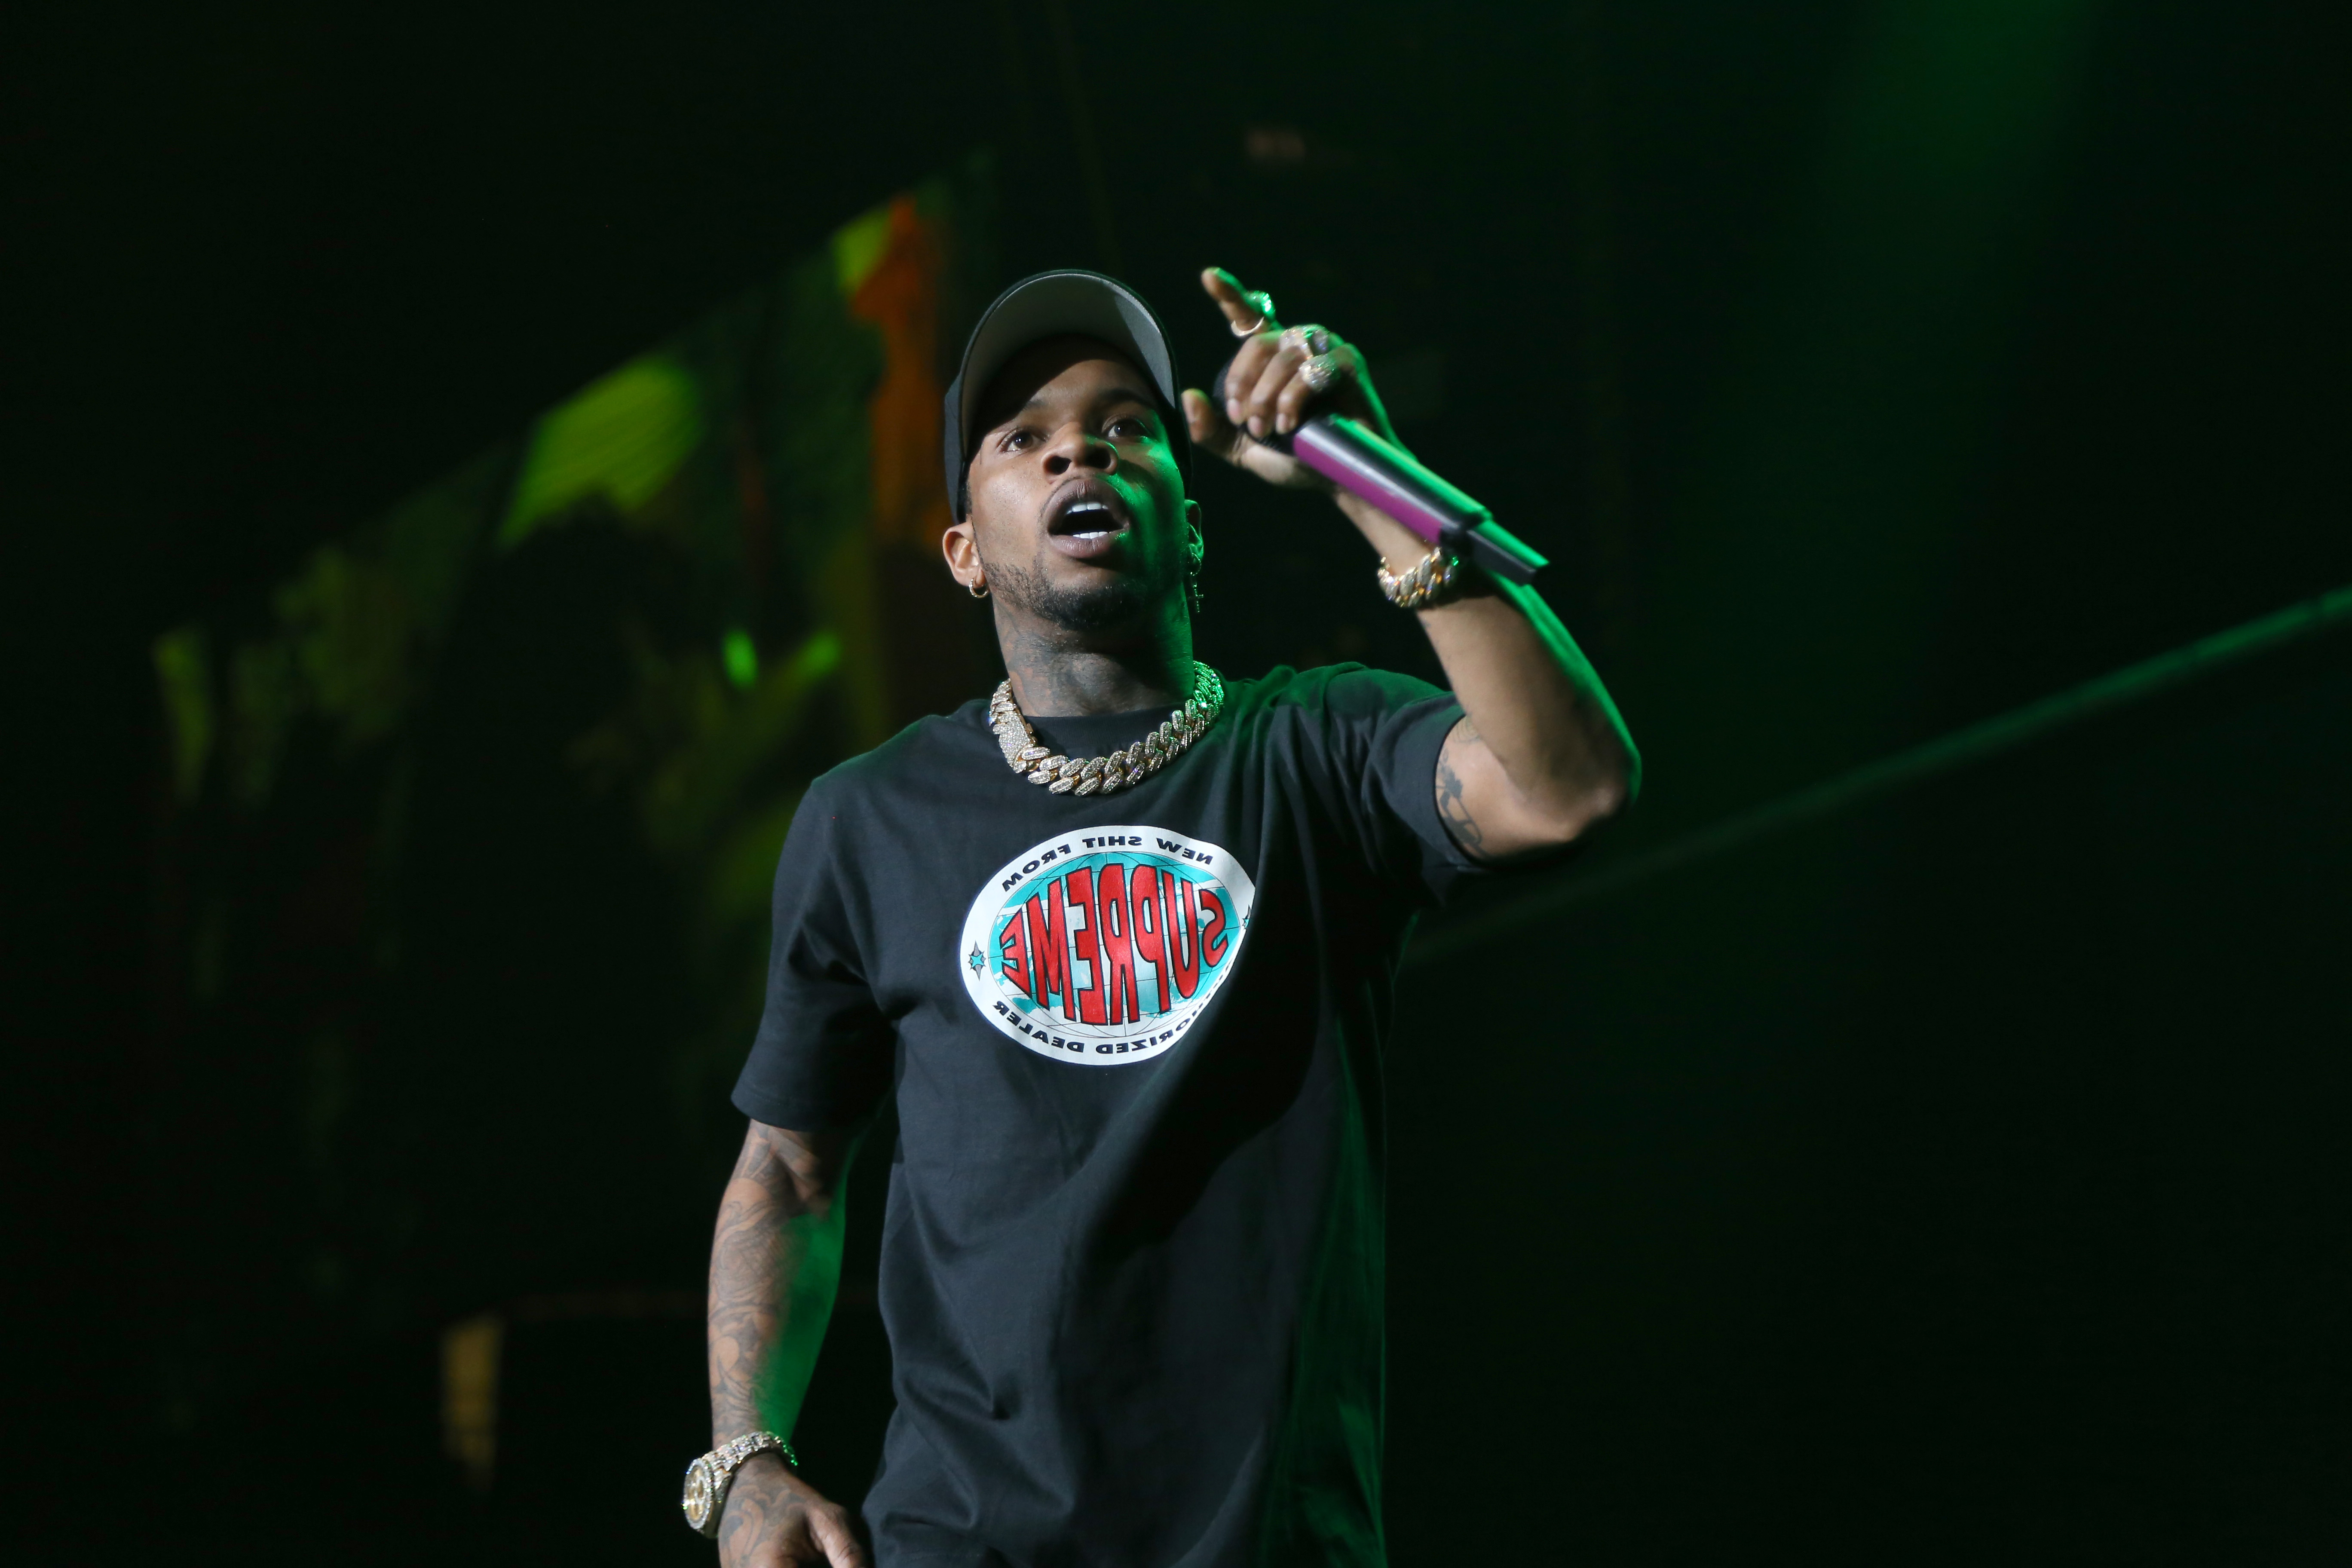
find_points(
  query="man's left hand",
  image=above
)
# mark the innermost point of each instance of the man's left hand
(1273, 386)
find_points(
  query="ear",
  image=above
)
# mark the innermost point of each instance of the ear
(962, 553)
(1195, 546)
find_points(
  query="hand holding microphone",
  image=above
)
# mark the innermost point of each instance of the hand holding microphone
(1294, 407)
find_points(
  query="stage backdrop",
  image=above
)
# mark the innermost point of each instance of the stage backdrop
(468, 832)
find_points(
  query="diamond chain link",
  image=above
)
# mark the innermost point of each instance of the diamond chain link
(1114, 770)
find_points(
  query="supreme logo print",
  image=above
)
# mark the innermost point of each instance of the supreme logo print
(1103, 947)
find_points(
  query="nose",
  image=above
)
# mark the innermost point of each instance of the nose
(1076, 446)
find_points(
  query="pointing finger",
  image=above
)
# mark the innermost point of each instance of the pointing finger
(1244, 311)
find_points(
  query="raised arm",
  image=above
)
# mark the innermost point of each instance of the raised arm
(775, 1263)
(1541, 754)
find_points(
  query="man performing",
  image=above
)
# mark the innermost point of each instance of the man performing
(1122, 943)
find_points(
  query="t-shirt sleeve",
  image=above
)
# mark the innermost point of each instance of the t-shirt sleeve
(1385, 730)
(824, 1055)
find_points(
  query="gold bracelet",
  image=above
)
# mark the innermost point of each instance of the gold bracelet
(1435, 579)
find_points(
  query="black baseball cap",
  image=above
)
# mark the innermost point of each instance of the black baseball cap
(1050, 305)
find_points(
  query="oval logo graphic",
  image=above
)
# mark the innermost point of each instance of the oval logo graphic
(1103, 946)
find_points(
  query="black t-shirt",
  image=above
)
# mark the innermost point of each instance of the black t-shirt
(1131, 1264)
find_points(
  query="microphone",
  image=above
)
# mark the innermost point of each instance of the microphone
(1360, 462)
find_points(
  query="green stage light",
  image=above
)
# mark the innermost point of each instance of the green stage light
(740, 658)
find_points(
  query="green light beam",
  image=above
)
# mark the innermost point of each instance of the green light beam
(1976, 743)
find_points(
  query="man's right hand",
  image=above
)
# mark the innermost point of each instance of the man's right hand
(775, 1520)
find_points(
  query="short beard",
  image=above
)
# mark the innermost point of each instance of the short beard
(1118, 601)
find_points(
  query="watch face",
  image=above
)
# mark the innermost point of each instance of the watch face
(701, 1493)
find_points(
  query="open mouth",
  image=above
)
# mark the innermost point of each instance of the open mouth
(1087, 519)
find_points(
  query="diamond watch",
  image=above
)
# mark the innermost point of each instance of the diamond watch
(707, 1479)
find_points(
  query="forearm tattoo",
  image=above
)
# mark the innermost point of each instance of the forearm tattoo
(746, 1286)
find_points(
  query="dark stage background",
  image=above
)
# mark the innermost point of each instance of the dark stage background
(1957, 1176)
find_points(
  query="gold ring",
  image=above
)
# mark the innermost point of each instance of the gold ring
(1261, 301)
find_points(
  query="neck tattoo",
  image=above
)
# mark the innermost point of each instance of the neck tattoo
(1119, 769)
